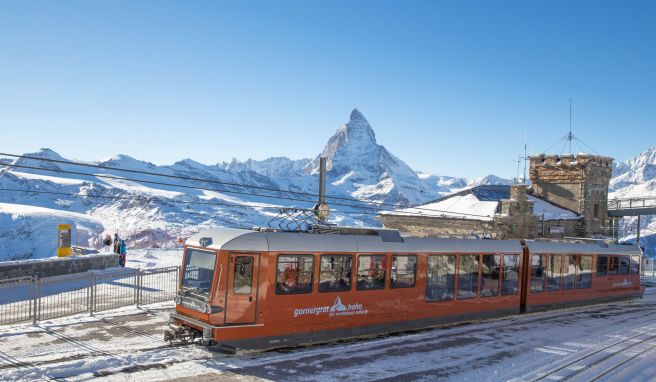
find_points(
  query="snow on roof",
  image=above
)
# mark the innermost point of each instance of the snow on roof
(460, 205)
(481, 203)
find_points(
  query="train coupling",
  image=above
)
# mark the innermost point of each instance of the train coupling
(177, 334)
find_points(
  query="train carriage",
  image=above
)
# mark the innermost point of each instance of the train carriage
(259, 289)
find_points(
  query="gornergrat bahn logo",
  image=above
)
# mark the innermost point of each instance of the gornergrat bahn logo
(337, 309)
(624, 284)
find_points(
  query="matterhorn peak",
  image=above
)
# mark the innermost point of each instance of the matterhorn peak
(358, 128)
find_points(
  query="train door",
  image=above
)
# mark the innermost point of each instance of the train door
(525, 281)
(241, 294)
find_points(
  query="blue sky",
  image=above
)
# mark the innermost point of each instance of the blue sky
(449, 87)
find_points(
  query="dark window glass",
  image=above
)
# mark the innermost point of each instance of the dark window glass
(295, 274)
(403, 271)
(468, 276)
(635, 265)
(584, 278)
(613, 266)
(198, 271)
(510, 280)
(602, 265)
(242, 281)
(596, 210)
(569, 271)
(491, 269)
(440, 278)
(554, 267)
(537, 273)
(371, 272)
(624, 265)
(335, 273)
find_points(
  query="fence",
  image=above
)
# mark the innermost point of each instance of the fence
(34, 299)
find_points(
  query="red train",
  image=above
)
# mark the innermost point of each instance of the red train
(257, 289)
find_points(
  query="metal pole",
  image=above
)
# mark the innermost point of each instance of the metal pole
(35, 286)
(322, 179)
(638, 233)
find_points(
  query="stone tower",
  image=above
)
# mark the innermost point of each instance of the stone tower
(578, 183)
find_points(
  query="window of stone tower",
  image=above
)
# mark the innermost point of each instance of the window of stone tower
(596, 210)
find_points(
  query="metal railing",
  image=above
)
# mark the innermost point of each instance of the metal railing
(35, 299)
(631, 203)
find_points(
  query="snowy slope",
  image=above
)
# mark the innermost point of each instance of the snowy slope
(151, 210)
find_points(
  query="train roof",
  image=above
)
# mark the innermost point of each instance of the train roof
(245, 240)
(598, 247)
(382, 240)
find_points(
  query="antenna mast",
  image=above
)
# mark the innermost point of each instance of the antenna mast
(570, 136)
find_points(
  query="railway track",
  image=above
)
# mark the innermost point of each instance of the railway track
(610, 350)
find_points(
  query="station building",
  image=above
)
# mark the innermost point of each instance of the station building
(568, 197)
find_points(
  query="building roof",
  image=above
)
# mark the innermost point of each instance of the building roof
(481, 203)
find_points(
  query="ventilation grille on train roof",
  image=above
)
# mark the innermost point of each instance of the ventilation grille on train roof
(386, 235)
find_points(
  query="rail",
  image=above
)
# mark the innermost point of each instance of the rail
(629, 205)
(35, 299)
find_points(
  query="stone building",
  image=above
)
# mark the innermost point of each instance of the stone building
(568, 197)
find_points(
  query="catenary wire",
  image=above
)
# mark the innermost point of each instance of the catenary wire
(243, 185)
(240, 192)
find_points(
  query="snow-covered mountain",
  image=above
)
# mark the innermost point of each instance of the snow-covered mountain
(636, 178)
(151, 210)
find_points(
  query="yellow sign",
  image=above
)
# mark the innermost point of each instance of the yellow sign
(64, 235)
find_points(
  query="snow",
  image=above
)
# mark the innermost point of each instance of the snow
(468, 206)
(31, 232)
(460, 206)
(126, 345)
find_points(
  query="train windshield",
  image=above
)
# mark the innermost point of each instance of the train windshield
(198, 271)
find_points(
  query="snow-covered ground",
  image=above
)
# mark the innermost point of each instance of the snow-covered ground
(610, 342)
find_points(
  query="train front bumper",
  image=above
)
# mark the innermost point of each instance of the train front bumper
(180, 325)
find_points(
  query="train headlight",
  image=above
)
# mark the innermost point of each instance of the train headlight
(178, 300)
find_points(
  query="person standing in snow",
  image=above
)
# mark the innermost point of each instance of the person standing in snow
(122, 255)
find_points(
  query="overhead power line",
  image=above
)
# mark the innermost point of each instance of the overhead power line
(174, 201)
(354, 200)
(224, 183)
(431, 211)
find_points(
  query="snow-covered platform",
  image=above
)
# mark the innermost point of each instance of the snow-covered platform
(603, 342)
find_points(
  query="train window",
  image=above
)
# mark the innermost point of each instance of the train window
(613, 265)
(404, 269)
(242, 280)
(440, 278)
(537, 273)
(335, 273)
(624, 265)
(584, 272)
(371, 272)
(554, 267)
(295, 274)
(569, 271)
(602, 265)
(635, 265)
(198, 270)
(490, 275)
(468, 276)
(510, 280)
